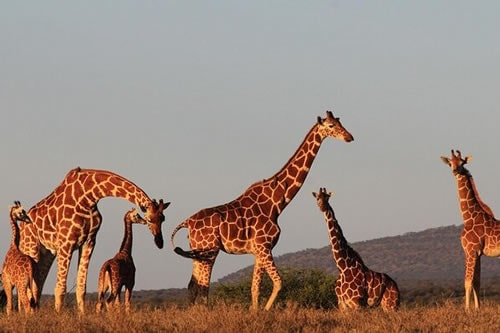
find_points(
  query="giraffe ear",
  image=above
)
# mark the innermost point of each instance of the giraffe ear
(445, 160)
(320, 121)
(165, 205)
(315, 195)
(468, 159)
(143, 208)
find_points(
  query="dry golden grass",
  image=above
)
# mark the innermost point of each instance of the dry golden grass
(449, 317)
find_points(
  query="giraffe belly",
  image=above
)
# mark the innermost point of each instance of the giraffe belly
(235, 246)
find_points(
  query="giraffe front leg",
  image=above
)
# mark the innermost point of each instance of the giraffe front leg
(7, 287)
(46, 259)
(81, 280)
(128, 297)
(470, 276)
(272, 271)
(476, 283)
(258, 271)
(63, 261)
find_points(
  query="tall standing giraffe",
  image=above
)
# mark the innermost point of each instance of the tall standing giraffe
(357, 285)
(18, 269)
(119, 271)
(249, 223)
(481, 232)
(68, 219)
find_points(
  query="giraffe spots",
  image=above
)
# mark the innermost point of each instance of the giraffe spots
(78, 190)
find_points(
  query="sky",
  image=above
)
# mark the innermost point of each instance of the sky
(196, 100)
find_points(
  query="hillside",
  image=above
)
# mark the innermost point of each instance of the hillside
(433, 254)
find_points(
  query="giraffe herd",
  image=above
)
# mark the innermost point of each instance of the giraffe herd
(68, 219)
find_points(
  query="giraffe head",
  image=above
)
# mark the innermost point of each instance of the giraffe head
(331, 127)
(17, 213)
(133, 216)
(457, 163)
(322, 198)
(153, 214)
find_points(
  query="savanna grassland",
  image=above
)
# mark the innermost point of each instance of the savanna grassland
(447, 317)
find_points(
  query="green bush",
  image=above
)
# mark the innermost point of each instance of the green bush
(310, 288)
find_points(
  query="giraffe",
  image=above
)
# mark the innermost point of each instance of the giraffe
(357, 286)
(68, 219)
(249, 223)
(481, 232)
(119, 271)
(18, 269)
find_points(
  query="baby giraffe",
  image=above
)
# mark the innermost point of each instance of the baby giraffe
(18, 269)
(120, 270)
(357, 285)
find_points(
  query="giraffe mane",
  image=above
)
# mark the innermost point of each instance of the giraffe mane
(483, 205)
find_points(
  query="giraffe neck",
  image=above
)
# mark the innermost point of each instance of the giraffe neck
(289, 179)
(126, 246)
(83, 188)
(337, 240)
(469, 199)
(14, 241)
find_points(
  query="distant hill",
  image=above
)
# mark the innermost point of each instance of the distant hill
(433, 254)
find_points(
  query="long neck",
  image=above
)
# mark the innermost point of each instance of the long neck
(14, 241)
(337, 240)
(289, 179)
(469, 199)
(127, 239)
(89, 186)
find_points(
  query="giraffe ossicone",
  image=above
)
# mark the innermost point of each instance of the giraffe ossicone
(481, 231)
(68, 219)
(249, 223)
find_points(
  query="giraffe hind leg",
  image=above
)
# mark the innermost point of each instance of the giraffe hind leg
(199, 284)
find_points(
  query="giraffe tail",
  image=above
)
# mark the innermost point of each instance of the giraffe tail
(179, 227)
(193, 254)
(203, 255)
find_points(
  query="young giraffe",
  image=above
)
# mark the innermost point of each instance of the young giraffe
(119, 271)
(481, 232)
(357, 286)
(249, 223)
(18, 269)
(68, 219)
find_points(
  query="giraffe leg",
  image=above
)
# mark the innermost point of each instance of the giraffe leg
(128, 296)
(338, 291)
(470, 270)
(200, 280)
(258, 271)
(272, 271)
(476, 283)
(81, 280)
(22, 297)
(102, 288)
(7, 287)
(42, 270)
(34, 293)
(63, 261)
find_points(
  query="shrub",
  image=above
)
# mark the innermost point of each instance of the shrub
(311, 288)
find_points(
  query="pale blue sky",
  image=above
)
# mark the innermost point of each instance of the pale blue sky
(196, 100)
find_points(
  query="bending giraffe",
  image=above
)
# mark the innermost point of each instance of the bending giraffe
(119, 271)
(249, 223)
(68, 219)
(481, 232)
(18, 269)
(357, 286)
